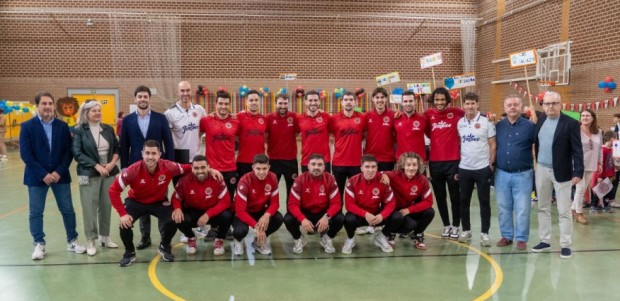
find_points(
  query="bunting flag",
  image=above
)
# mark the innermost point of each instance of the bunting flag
(594, 105)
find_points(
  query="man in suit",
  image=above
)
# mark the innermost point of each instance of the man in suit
(560, 165)
(142, 125)
(45, 148)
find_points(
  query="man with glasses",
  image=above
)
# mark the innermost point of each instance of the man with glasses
(560, 165)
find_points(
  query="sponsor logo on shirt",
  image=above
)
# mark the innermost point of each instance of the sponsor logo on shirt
(313, 131)
(221, 137)
(189, 127)
(255, 132)
(348, 132)
(440, 125)
(469, 138)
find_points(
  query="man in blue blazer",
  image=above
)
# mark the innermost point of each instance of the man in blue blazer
(142, 125)
(45, 148)
(560, 166)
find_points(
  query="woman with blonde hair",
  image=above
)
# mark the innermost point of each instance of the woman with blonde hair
(96, 150)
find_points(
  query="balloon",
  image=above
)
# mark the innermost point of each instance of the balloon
(611, 85)
(284, 91)
(609, 79)
(607, 90)
(8, 110)
(541, 95)
(449, 82)
(266, 89)
(602, 84)
(26, 110)
(16, 107)
(243, 93)
(220, 88)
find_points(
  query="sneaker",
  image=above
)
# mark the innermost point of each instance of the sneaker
(4, 158)
(74, 246)
(327, 244)
(190, 247)
(349, 243)
(229, 234)
(381, 242)
(566, 253)
(418, 241)
(299, 244)
(370, 230)
(128, 259)
(391, 239)
(614, 204)
(542, 246)
(504, 242)
(454, 233)
(236, 247)
(211, 235)
(360, 231)
(166, 252)
(39, 251)
(263, 249)
(593, 210)
(91, 248)
(200, 232)
(521, 245)
(485, 241)
(183, 238)
(446, 232)
(464, 237)
(107, 242)
(218, 247)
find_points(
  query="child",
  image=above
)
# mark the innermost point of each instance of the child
(608, 171)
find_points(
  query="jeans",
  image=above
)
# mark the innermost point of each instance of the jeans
(62, 194)
(512, 191)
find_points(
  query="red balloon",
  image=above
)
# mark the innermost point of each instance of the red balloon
(608, 79)
(607, 90)
(220, 88)
(541, 95)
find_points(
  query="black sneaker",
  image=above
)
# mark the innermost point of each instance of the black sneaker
(542, 246)
(566, 253)
(128, 259)
(229, 235)
(391, 239)
(166, 253)
(211, 235)
(145, 242)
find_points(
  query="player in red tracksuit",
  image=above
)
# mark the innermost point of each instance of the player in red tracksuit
(282, 142)
(348, 129)
(252, 126)
(313, 127)
(414, 199)
(444, 158)
(148, 179)
(200, 199)
(315, 204)
(370, 202)
(410, 128)
(379, 125)
(256, 205)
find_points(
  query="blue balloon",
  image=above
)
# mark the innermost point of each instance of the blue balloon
(8, 110)
(15, 107)
(26, 110)
(449, 82)
(266, 89)
(611, 85)
(602, 84)
(284, 91)
(398, 91)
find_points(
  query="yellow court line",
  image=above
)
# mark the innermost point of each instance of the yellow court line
(155, 281)
(22, 208)
(499, 274)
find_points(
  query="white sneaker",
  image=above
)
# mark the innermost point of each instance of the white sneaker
(446, 232)
(74, 246)
(485, 241)
(465, 236)
(200, 232)
(454, 233)
(349, 243)
(183, 238)
(381, 242)
(236, 247)
(327, 244)
(360, 231)
(4, 158)
(370, 230)
(190, 247)
(299, 245)
(218, 247)
(263, 249)
(39, 251)
(91, 248)
(107, 242)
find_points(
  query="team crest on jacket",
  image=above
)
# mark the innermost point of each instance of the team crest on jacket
(161, 179)
(319, 119)
(375, 191)
(208, 191)
(267, 188)
(357, 120)
(416, 124)
(289, 120)
(414, 190)
(322, 188)
(450, 115)
(386, 119)
(261, 121)
(228, 125)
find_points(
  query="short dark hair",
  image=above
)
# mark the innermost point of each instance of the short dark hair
(380, 90)
(609, 135)
(312, 92)
(260, 159)
(471, 96)
(222, 94)
(283, 96)
(316, 156)
(198, 158)
(37, 98)
(142, 88)
(252, 92)
(441, 90)
(617, 115)
(348, 93)
(151, 143)
(368, 158)
(409, 92)
(120, 114)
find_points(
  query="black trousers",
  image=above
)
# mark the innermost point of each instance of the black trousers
(391, 224)
(385, 166)
(417, 222)
(231, 180)
(336, 223)
(243, 168)
(443, 173)
(241, 229)
(328, 168)
(342, 173)
(482, 179)
(288, 169)
(159, 210)
(191, 216)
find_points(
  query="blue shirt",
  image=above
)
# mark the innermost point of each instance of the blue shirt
(514, 145)
(545, 139)
(143, 122)
(47, 127)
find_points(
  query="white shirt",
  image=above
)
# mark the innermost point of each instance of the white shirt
(185, 127)
(475, 136)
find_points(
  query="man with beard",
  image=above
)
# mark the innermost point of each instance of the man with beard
(379, 124)
(142, 125)
(313, 126)
(410, 129)
(282, 143)
(251, 133)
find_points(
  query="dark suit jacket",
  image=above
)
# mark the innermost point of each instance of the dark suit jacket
(35, 151)
(566, 148)
(132, 141)
(85, 151)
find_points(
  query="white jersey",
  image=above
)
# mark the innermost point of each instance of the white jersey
(475, 136)
(185, 128)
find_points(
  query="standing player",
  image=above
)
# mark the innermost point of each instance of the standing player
(313, 126)
(444, 158)
(251, 133)
(379, 124)
(282, 143)
(410, 129)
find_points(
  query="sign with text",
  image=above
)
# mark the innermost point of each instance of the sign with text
(389, 78)
(420, 88)
(460, 81)
(288, 76)
(522, 59)
(431, 60)
(394, 98)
